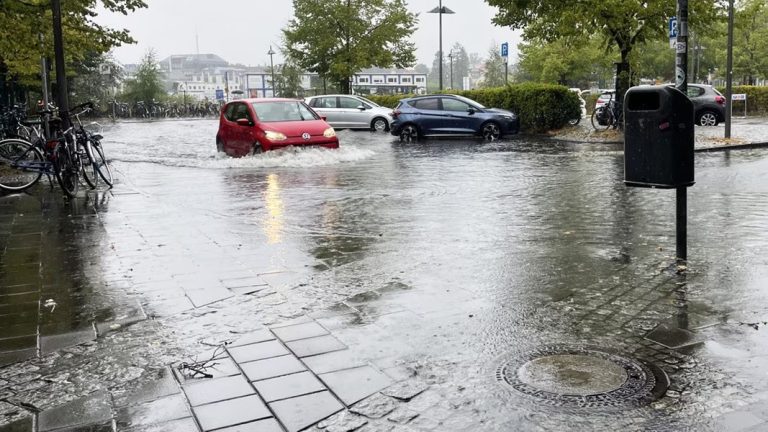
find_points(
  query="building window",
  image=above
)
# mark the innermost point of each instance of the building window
(363, 80)
(419, 79)
(392, 80)
(406, 79)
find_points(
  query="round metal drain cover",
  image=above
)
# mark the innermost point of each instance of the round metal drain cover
(583, 377)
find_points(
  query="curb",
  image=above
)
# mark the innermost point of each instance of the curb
(732, 147)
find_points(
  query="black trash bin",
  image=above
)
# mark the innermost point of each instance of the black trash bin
(658, 137)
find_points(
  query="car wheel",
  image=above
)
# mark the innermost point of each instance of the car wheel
(491, 131)
(409, 133)
(256, 149)
(379, 125)
(707, 118)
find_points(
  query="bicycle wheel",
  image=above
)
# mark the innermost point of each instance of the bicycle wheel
(100, 164)
(21, 165)
(67, 169)
(601, 119)
(87, 164)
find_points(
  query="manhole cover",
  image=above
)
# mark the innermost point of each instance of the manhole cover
(583, 377)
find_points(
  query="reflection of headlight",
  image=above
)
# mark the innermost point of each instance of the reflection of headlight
(329, 133)
(275, 136)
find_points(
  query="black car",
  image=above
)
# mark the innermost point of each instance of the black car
(450, 115)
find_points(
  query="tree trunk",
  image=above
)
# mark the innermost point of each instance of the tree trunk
(622, 77)
(344, 86)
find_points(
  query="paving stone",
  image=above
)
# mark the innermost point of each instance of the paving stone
(301, 412)
(202, 297)
(333, 361)
(267, 425)
(254, 337)
(53, 343)
(271, 368)
(247, 282)
(406, 390)
(159, 384)
(19, 343)
(162, 410)
(288, 386)
(217, 368)
(10, 357)
(375, 407)
(181, 425)
(23, 425)
(95, 408)
(219, 389)
(300, 331)
(258, 351)
(344, 421)
(231, 412)
(315, 346)
(737, 421)
(282, 280)
(673, 337)
(352, 385)
(402, 415)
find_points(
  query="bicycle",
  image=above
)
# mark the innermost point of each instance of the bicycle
(607, 116)
(22, 162)
(91, 152)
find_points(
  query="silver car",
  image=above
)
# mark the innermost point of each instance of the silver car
(351, 112)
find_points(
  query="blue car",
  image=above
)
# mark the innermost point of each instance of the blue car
(450, 115)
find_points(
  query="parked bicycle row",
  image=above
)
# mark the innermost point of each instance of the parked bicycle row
(153, 109)
(46, 146)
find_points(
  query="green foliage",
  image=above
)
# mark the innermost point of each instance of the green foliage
(147, 85)
(541, 107)
(337, 38)
(494, 69)
(22, 22)
(622, 24)
(95, 79)
(569, 61)
(288, 80)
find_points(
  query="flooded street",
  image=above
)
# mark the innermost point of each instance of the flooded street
(436, 262)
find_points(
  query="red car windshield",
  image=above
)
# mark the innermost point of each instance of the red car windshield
(283, 111)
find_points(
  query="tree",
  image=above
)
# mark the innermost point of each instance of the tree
(337, 38)
(622, 24)
(460, 64)
(433, 79)
(570, 62)
(751, 41)
(95, 78)
(288, 80)
(147, 85)
(494, 69)
(26, 32)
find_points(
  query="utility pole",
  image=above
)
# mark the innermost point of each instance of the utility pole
(729, 73)
(681, 76)
(62, 96)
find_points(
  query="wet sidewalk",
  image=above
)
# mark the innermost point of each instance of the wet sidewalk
(391, 294)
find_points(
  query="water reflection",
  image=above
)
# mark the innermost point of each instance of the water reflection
(274, 223)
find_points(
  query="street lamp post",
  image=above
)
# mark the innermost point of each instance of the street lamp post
(440, 10)
(272, 70)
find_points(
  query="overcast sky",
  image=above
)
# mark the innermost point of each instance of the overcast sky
(241, 31)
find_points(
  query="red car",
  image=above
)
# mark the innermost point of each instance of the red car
(250, 126)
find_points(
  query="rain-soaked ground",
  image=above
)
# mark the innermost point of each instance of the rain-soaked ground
(434, 262)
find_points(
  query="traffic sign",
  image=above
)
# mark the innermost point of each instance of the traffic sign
(673, 32)
(219, 94)
(505, 50)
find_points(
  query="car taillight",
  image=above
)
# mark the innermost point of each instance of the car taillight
(394, 114)
(720, 100)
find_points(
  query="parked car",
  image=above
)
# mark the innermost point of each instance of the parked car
(604, 97)
(351, 112)
(708, 104)
(450, 115)
(250, 126)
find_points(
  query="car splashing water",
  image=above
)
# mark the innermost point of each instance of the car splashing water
(191, 143)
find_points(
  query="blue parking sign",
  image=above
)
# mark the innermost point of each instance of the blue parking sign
(505, 49)
(220, 94)
(673, 27)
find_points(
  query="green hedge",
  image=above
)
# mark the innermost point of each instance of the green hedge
(541, 107)
(757, 100)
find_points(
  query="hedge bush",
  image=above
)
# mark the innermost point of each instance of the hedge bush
(757, 100)
(540, 107)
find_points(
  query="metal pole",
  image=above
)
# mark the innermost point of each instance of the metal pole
(272, 70)
(506, 72)
(61, 74)
(681, 75)
(440, 21)
(729, 73)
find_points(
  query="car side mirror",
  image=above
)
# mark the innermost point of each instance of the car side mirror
(324, 118)
(471, 111)
(361, 107)
(244, 122)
